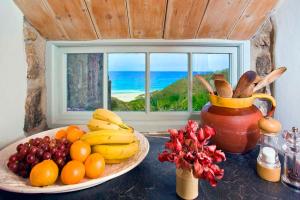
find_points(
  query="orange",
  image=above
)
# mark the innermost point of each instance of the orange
(60, 134)
(73, 172)
(80, 150)
(74, 134)
(44, 173)
(94, 165)
(72, 127)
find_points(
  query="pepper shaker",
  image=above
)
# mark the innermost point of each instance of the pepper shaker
(291, 148)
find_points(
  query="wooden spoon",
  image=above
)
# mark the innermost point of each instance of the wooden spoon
(206, 85)
(218, 77)
(271, 77)
(249, 91)
(223, 88)
(244, 82)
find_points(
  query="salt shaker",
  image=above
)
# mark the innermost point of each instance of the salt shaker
(268, 165)
(291, 148)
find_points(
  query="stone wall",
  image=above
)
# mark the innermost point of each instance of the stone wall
(35, 106)
(262, 60)
(262, 50)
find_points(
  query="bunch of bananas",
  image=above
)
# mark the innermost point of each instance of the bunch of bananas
(111, 137)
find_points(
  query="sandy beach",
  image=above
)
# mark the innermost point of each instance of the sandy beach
(126, 96)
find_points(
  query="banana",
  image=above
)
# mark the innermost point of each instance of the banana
(108, 137)
(114, 161)
(107, 115)
(117, 151)
(96, 124)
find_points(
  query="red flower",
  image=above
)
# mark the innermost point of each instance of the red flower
(188, 149)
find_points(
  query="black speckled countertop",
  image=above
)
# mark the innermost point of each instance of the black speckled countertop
(156, 181)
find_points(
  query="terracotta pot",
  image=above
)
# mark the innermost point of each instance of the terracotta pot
(235, 121)
(186, 184)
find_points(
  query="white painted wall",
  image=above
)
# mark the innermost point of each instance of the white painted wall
(287, 53)
(12, 73)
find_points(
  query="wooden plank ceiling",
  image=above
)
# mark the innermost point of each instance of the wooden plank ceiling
(154, 19)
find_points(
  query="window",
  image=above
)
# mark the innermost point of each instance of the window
(126, 75)
(207, 64)
(168, 82)
(151, 85)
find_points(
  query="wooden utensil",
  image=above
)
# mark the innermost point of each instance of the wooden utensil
(244, 82)
(206, 85)
(219, 77)
(271, 77)
(223, 88)
(249, 91)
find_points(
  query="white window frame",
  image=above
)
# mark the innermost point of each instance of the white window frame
(57, 114)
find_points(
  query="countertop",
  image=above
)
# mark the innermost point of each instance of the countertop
(155, 180)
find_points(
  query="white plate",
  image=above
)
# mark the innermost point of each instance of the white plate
(13, 183)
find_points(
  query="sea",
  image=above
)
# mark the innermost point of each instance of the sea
(134, 81)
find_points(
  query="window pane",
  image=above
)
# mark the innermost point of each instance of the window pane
(126, 84)
(84, 81)
(207, 65)
(168, 81)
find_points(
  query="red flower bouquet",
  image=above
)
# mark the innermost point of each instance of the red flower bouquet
(189, 150)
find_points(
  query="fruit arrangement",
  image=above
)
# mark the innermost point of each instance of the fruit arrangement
(111, 137)
(35, 151)
(73, 154)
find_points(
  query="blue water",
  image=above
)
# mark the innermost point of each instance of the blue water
(134, 81)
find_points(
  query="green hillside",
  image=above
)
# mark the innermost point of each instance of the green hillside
(172, 98)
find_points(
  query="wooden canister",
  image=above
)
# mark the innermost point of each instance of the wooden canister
(186, 184)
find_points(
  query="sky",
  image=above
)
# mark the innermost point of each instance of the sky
(167, 62)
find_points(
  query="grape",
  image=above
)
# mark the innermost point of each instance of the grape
(33, 150)
(19, 147)
(24, 173)
(60, 162)
(21, 166)
(26, 144)
(64, 154)
(31, 141)
(37, 141)
(64, 140)
(20, 156)
(13, 167)
(58, 154)
(23, 151)
(46, 139)
(47, 155)
(39, 153)
(52, 145)
(53, 151)
(61, 147)
(13, 158)
(30, 158)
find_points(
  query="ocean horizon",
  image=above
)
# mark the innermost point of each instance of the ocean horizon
(127, 82)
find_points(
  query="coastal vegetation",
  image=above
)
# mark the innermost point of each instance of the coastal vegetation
(172, 98)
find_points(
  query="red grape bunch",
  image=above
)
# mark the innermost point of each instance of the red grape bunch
(37, 150)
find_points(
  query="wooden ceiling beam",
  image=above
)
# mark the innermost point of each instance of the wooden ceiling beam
(75, 19)
(146, 18)
(183, 18)
(110, 18)
(252, 18)
(38, 13)
(220, 17)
